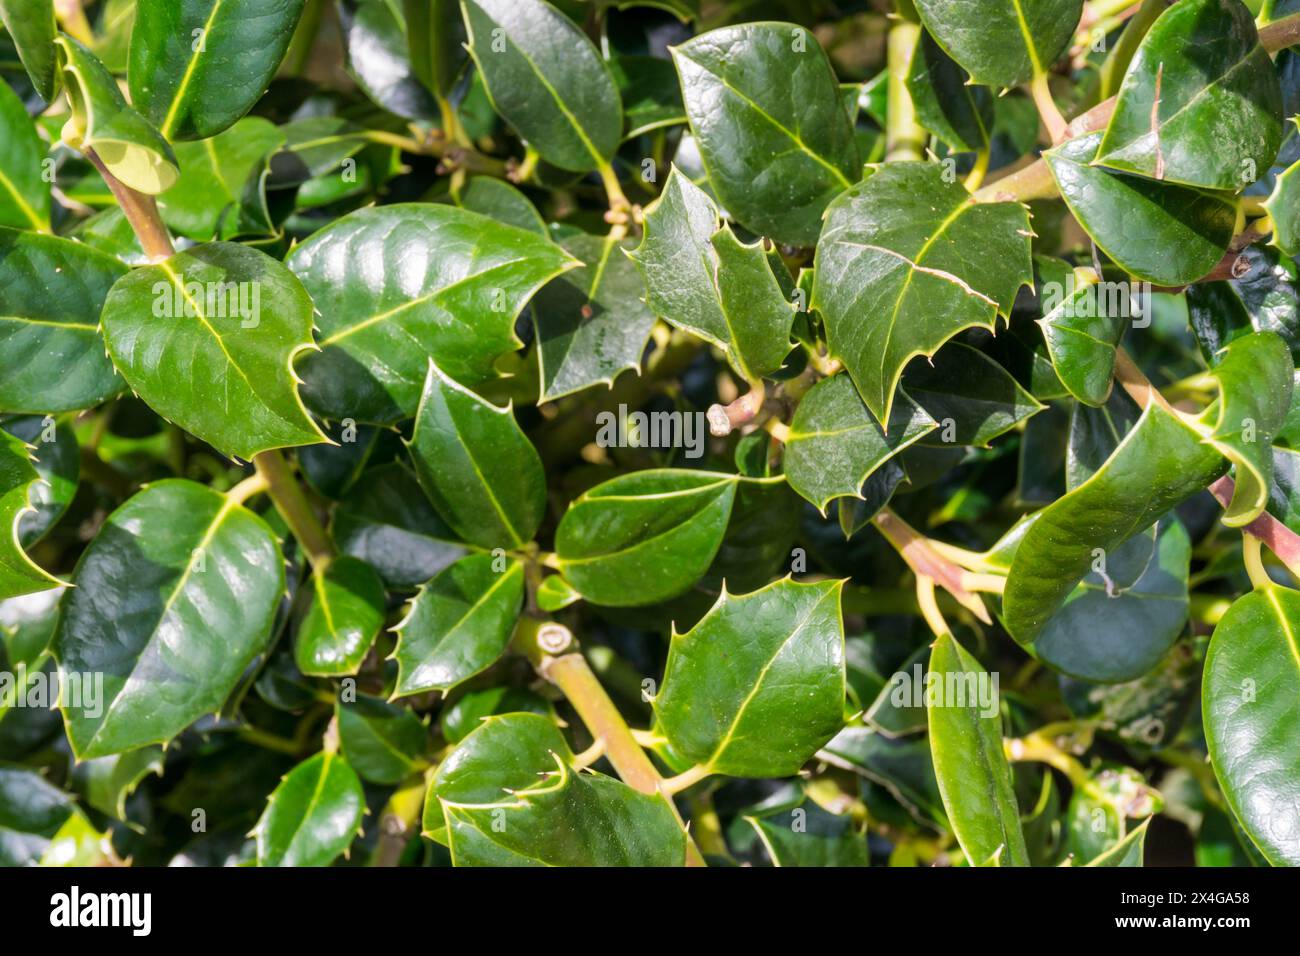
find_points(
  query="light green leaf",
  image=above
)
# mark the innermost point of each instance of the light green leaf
(509, 796)
(24, 194)
(1002, 43)
(732, 681)
(32, 28)
(459, 624)
(896, 278)
(700, 278)
(1255, 375)
(972, 770)
(203, 576)
(1128, 852)
(108, 781)
(1200, 104)
(313, 815)
(547, 80)
(1157, 466)
(1283, 207)
(765, 108)
(207, 339)
(477, 467)
(1082, 324)
(199, 65)
(835, 444)
(126, 142)
(343, 619)
(57, 460)
(592, 323)
(1160, 232)
(644, 537)
(18, 573)
(52, 292)
(384, 311)
(1248, 698)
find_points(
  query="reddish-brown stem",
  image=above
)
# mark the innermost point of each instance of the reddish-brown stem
(141, 212)
(1280, 539)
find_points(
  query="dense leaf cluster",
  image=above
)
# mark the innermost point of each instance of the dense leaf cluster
(649, 432)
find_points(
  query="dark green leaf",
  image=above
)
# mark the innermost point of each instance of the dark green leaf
(31, 812)
(1002, 43)
(651, 97)
(946, 103)
(18, 573)
(436, 36)
(383, 742)
(32, 26)
(380, 54)
(805, 834)
(1083, 322)
(971, 397)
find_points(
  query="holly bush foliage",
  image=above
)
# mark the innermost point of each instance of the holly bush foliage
(649, 432)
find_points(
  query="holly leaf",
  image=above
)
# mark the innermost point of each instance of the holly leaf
(969, 763)
(1249, 694)
(651, 97)
(1002, 43)
(970, 397)
(802, 833)
(699, 277)
(32, 810)
(204, 576)
(24, 194)
(732, 680)
(383, 742)
(208, 337)
(459, 624)
(344, 616)
(313, 815)
(1127, 852)
(1083, 328)
(835, 445)
(503, 202)
(592, 323)
(1200, 104)
(197, 66)
(957, 111)
(906, 261)
(383, 315)
(52, 292)
(382, 57)
(1164, 233)
(1159, 464)
(1283, 207)
(765, 107)
(547, 80)
(1255, 375)
(508, 795)
(644, 537)
(32, 28)
(1265, 297)
(435, 36)
(127, 143)
(18, 573)
(476, 465)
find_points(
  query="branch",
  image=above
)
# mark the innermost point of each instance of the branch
(925, 561)
(293, 506)
(141, 212)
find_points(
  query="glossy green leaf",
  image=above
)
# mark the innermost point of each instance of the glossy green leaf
(1158, 465)
(24, 194)
(971, 397)
(108, 781)
(205, 203)
(203, 577)
(592, 323)
(1002, 43)
(385, 310)
(1160, 232)
(1083, 322)
(383, 59)
(383, 742)
(732, 680)
(18, 573)
(503, 202)
(895, 278)
(765, 108)
(1284, 208)
(966, 742)
(468, 711)
(1200, 103)
(52, 291)
(477, 467)
(31, 812)
(1265, 298)
(459, 624)
(127, 143)
(957, 111)
(835, 445)
(1255, 375)
(208, 338)
(644, 537)
(547, 80)
(57, 461)
(808, 835)
(436, 35)
(1248, 698)
(1128, 852)
(555, 593)
(651, 96)
(701, 278)
(313, 815)
(344, 616)
(199, 65)
(388, 522)
(32, 28)
(509, 796)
